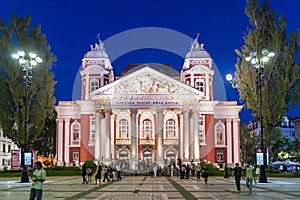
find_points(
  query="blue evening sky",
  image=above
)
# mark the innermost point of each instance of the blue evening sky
(71, 26)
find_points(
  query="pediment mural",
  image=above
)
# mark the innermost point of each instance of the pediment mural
(146, 81)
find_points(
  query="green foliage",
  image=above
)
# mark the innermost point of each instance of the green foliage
(281, 78)
(282, 144)
(248, 144)
(91, 163)
(16, 35)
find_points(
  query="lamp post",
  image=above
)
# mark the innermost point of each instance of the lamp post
(27, 62)
(258, 60)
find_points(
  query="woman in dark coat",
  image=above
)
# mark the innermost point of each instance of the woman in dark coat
(84, 174)
(98, 174)
(205, 173)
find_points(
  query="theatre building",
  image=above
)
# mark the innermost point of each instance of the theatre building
(150, 113)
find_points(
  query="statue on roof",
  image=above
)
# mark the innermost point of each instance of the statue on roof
(195, 45)
(98, 46)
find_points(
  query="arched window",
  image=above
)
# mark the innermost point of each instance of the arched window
(170, 129)
(147, 129)
(147, 155)
(75, 133)
(220, 134)
(123, 129)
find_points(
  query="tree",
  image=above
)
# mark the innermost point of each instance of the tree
(16, 35)
(248, 145)
(281, 79)
(46, 141)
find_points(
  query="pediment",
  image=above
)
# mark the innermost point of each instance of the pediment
(200, 69)
(146, 81)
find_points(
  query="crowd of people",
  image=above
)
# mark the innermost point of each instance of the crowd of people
(182, 170)
(107, 172)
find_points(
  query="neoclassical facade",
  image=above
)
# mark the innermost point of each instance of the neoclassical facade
(149, 113)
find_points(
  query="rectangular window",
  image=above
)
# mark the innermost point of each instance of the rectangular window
(200, 85)
(123, 129)
(94, 85)
(92, 130)
(201, 130)
(75, 155)
(8, 148)
(3, 146)
(220, 156)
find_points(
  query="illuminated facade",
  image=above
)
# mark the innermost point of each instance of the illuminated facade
(150, 113)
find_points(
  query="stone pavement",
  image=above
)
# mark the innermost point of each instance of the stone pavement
(148, 188)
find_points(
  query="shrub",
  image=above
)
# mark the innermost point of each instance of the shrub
(91, 163)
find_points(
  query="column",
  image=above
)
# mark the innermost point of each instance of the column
(108, 141)
(185, 134)
(159, 142)
(229, 140)
(196, 136)
(60, 140)
(181, 136)
(134, 139)
(236, 143)
(67, 141)
(102, 137)
(191, 135)
(207, 86)
(97, 138)
(87, 85)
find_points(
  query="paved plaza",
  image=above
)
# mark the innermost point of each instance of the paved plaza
(148, 188)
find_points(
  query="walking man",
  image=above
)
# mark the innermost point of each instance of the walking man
(38, 177)
(118, 168)
(237, 176)
(249, 178)
(198, 170)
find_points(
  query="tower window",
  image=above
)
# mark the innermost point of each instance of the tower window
(94, 85)
(199, 85)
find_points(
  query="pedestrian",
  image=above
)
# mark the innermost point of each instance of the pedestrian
(118, 168)
(204, 173)
(135, 170)
(198, 171)
(105, 174)
(84, 174)
(182, 171)
(110, 173)
(257, 174)
(89, 172)
(188, 171)
(98, 174)
(38, 177)
(237, 176)
(154, 170)
(249, 178)
(172, 170)
(226, 169)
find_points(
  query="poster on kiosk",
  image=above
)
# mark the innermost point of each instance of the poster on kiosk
(260, 156)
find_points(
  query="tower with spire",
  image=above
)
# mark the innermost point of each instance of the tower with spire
(197, 69)
(96, 70)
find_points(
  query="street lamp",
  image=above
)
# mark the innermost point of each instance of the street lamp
(28, 62)
(258, 60)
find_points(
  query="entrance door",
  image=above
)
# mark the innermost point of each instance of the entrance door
(123, 159)
(170, 157)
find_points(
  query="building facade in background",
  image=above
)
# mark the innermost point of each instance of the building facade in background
(6, 146)
(149, 114)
